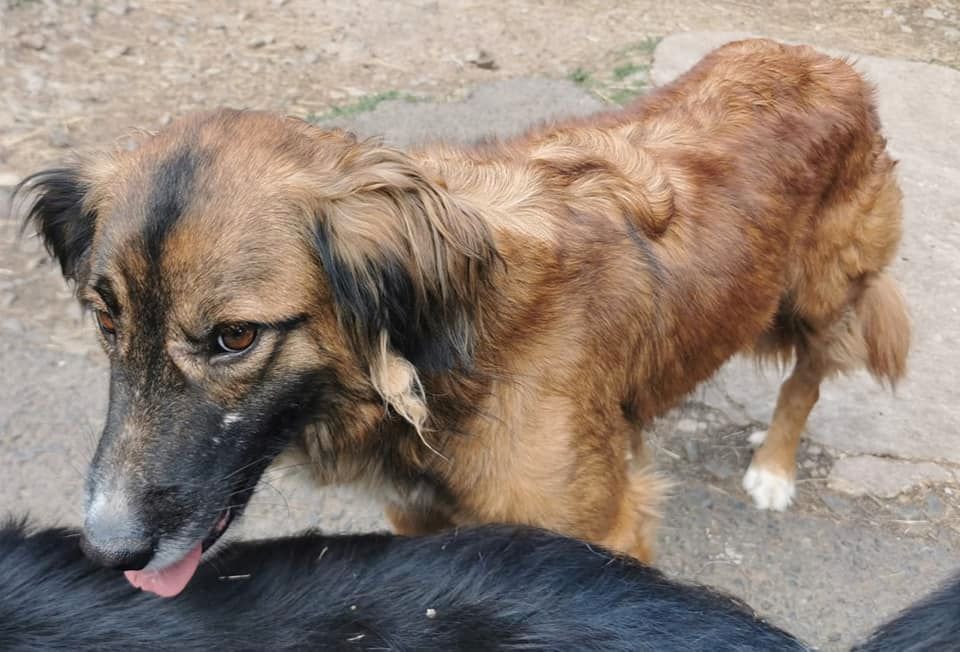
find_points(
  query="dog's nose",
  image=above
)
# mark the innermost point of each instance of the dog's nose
(119, 553)
(114, 538)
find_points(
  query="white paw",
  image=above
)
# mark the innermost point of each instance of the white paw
(770, 490)
(756, 439)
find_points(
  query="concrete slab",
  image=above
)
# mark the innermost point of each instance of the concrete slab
(828, 580)
(503, 108)
(867, 475)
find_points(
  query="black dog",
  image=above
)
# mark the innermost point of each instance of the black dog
(933, 624)
(493, 588)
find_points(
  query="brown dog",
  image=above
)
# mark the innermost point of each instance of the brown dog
(476, 333)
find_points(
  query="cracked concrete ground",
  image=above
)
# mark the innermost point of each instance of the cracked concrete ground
(877, 519)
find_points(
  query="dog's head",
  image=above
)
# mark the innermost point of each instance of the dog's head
(249, 274)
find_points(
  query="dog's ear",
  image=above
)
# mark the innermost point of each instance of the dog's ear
(57, 210)
(405, 259)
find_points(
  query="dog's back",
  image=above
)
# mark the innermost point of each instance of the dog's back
(933, 624)
(793, 138)
(490, 588)
(493, 588)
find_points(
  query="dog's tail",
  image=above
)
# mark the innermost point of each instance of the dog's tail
(933, 624)
(885, 321)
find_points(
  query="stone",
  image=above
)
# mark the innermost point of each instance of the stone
(836, 504)
(12, 325)
(117, 51)
(935, 507)
(933, 13)
(720, 469)
(692, 450)
(909, 512)
(60, 137)
(482, 59)
(33, 42)
(884, 478)
(260, 41)
(118, 8)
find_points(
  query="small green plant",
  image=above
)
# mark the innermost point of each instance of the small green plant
(623, 71)
(648, 45)
(579, 76)
(625, 95)
(630, 76)
(362, 105)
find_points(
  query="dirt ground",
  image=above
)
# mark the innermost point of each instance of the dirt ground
(82, 73)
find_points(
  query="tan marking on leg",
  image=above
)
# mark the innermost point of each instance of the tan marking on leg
(634, 530)
(770, 478)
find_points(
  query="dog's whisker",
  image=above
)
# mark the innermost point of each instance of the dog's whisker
(217, 512)
(289, 467)
(286, 503)
(73, 466)
(259, 460)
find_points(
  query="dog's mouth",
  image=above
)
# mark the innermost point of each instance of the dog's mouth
(170, 580)
(223, 522)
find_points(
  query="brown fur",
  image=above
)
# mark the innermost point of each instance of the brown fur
(574, 282)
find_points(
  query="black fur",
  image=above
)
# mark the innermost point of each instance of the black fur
(169, 197)
(433, 332)
(493, 588)
(170, 191)
(186, 476)
(59, 217)
(932, 625)
(104, 288)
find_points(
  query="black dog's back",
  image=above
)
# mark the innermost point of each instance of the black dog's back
(931, 625)
(486, 588)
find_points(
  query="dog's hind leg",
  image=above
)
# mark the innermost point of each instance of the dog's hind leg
(840, 312)
(770, 478)
(873, 332)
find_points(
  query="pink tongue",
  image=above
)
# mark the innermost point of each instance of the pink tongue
(167, 582)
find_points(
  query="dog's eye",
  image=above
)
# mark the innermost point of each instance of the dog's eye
(106, 323)
(234, 338)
